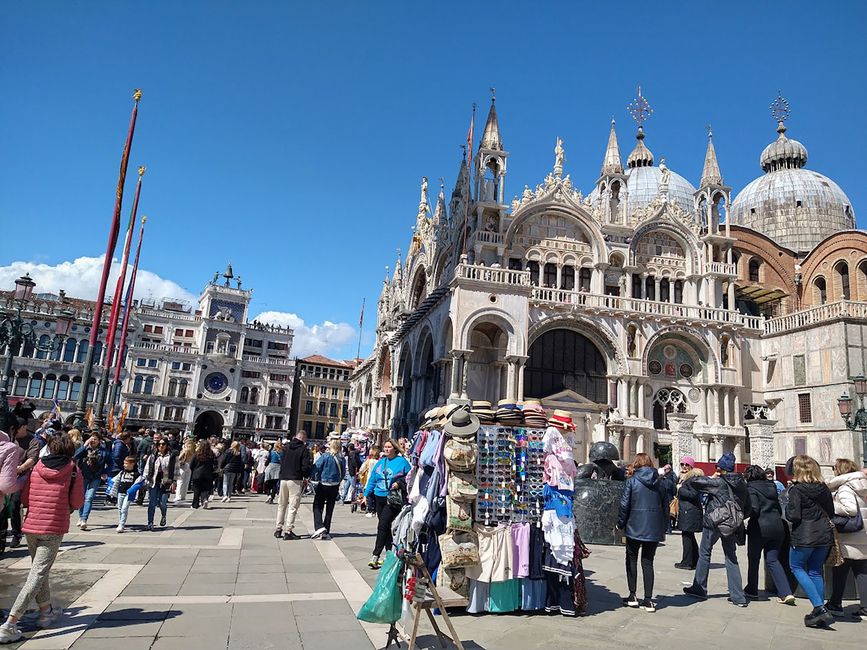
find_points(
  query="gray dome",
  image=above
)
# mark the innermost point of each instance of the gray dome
(783, 153)
(797, 208)
(642, 185)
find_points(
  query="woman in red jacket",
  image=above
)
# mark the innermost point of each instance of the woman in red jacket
(53, 490)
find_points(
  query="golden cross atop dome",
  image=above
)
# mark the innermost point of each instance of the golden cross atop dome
(780, 108)
(640, 109)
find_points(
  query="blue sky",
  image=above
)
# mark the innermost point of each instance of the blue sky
(290, 138)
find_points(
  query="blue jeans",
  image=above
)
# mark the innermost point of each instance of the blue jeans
(229, 479)
(123, 500)
(90, 488)
(709, 537)
(157, 495)
(808, 564)
(346, 487)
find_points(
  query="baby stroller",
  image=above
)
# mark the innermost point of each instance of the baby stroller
(357, 496)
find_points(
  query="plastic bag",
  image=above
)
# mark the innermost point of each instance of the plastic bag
(384, 604)
(135, 487)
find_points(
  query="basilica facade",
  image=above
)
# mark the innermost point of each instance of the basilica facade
(669, 318)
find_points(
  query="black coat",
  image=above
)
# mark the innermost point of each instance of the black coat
(644, 507)
(232, 463)
(689, 515)
(766, 519)
(296, 462)
(202, 470)
(809, 511)
(717, 491)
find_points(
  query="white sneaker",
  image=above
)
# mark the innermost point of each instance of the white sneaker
(228, 499)
(120, 529)
(80, 523)
(369, 515)
(47, 619)
(318, 533)
(83, 525)
(9, 633)
(224, 499)
(205, 505)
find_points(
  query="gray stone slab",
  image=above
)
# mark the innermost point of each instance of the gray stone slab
(334, 623)
(208, 589)
(268, 641)
(337, 640)
(152, 590)
(253, 578)
(270, 587)
(123, 628)
(310, 584)
(322, 608)
(187, 624)
(134, 613)
(132, 643)
(205, 640)
(201, 578)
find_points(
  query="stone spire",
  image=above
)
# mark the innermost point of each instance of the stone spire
(710, 174)
(439, 216)
(612, 163)
(491, 136)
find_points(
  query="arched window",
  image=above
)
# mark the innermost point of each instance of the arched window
(533, 268)
(63, 387)
(69, 350)
(149, 385)
(137, 384)
(82, 351)
(35, 385)
(97, 353)
(843, 275)
(272, 397)
(550, 278)
(183, 384)
(75, 391)
(560, 360)
(664, 293)
(821, 291)
(254, 395)
(91, 390)
(245, 395)
(754, 267)
(41, 352)
(667, 400)
(173, 387)
(650, 288)
(21, 383)
(584, 276)
(28, 350)
(678, 292)
(49, 386)
(567, 280)
(281, 398)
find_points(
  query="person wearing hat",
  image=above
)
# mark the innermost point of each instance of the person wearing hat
(721, 488)
(689, 516)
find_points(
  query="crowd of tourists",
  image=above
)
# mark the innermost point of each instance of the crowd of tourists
(798, 527)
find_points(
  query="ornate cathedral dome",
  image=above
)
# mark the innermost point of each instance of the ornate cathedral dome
(795, 207)
(642, 184)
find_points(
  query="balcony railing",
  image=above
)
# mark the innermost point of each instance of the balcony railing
(493, 275)
(489, 237)
(271, 361)
(165, 347)
(649, 307)
(720, 268)
(164, 313)
(814, 315)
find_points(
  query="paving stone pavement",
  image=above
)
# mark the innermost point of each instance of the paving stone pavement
(217, 578)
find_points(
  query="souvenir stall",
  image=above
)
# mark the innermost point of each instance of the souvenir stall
(489, 510)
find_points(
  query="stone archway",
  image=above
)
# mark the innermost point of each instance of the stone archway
(208, 423)
(563, 359)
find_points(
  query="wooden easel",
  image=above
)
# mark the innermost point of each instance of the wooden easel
(428, 604)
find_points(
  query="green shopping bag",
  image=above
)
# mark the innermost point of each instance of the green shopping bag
(384, 603)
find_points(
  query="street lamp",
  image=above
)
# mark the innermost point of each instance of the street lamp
(14, 332)
(858, 420)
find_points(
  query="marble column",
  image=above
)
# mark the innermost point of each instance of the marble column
(640, 444)
(738, 450)
(456, 374)
(642, 412)
(705, 450)
(626, 453)
(724, 420)
(731, 295)
(520, 370)
(761, 433)
(718, 447)
(681, 426)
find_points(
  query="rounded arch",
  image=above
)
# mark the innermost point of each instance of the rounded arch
(701, 351)
(447, 339)
(563, 359)
(383, 371)
(601, 336)
(583, 220)
(417, 285)
(679, 233)
(515, 341)
(208, 423)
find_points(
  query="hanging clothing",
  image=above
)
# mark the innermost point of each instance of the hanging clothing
(559, 474)
(504, 596)
(532, 594)
(537, 552)
(478, 597)
(520, 550)
(559, 536)
(558, 500)
(495, 553)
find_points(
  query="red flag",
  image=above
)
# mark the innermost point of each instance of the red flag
(128, 306)
(121, 278)
(115, 225)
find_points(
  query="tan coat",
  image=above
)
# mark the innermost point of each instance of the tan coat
(850, 494)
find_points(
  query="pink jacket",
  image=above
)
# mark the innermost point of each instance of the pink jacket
(10, 454)
(49, 498)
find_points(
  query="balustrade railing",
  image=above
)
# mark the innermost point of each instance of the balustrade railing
(720, 268)
(819, 314)
(489, 237)
(165, 347)
(493, 275)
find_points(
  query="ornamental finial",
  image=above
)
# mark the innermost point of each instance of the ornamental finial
(144, 220)
(640, 109)
(780, 111)
(136, 95)
(141, 171)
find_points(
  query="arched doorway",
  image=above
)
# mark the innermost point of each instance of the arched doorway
(209, 423)
(561, 359)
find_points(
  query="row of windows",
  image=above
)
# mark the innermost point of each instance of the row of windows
(50, 386)
(323, 391)
(248, 420)
(332, 408)
(319, 372)
(153, 329)
(184, 333)
(73, 350)
(251, 396)
(318, 430)
(144, 385)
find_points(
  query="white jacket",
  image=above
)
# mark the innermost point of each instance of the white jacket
(850, 494)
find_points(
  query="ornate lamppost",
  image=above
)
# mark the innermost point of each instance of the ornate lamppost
(14, 332)
(856, 421)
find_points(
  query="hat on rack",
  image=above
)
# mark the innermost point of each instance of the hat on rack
(462, 423)
(482, 410)
(562, 420)
(508, 412)
(534, 415)
(447, 411)
(432, 417)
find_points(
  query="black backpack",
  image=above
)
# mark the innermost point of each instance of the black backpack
(728, 518)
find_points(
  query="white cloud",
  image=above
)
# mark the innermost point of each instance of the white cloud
(80, 279)
(325, 339)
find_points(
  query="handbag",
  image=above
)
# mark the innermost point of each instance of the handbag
(844, 524)
(674, 508)
(462, 487)
(395, 498)
(460, 549)
(459, 515)
(460, 455)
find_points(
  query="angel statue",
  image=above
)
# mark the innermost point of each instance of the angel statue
(558, 154)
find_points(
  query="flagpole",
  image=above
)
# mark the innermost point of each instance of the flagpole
(126, 310)
(360, 329)
(81, 406)
(102, 393)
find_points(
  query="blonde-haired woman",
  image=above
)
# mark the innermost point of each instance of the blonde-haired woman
(328, 473)
(232, 465)
(809, 512)
(184, 457)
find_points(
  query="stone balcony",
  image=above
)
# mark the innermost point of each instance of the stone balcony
(492, 275)
(842, 310)
(721, 268)
(166, 347)
(269, 361)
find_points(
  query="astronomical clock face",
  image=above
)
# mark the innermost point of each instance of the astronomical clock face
(216, 383)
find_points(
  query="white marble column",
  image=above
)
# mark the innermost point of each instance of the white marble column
(724, 420)
(642, 412)
(705, 450)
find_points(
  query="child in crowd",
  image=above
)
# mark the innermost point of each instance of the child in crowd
(127, 479)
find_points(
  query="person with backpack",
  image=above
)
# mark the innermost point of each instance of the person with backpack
(92, 461)
(28, 454)
(809, 513)
(53, 489)
(644, 519)
(327, 473)
(728, 504)
(766, 534)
